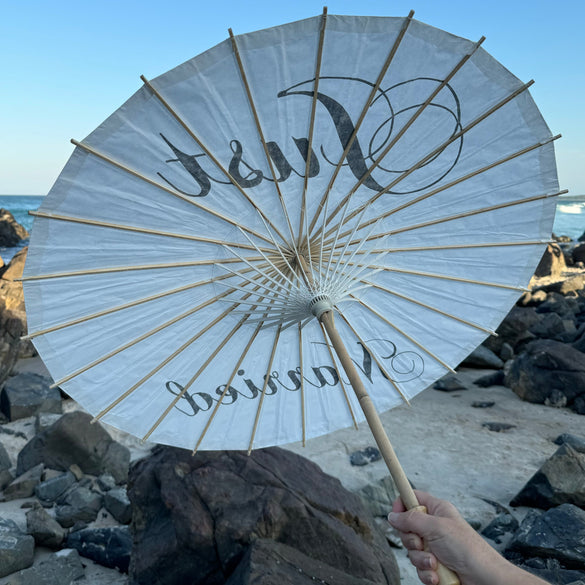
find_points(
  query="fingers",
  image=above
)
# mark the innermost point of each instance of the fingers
(412, 541)
(426, 566)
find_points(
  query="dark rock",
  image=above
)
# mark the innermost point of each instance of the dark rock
(550, 570)
(79, 503)
(506, 352)
(493, 379)
(558, 533)
(44, 420)
(24, 485)
(117, 504)
(28, 394)
(483, 357)
(544, 366)
(44, 528)
(565, 307)
(486, 404)
(109, 547)
(267, 562)
(553, 326)
(498, 427)
(5, 464)
(11, 232)
(378, 497)
(73, 440)
(552, 262)
(502, 524)
(106, 482)
(514, 329)
(365, 456)
(579, 404)
(194, 517)
(579, 253)
(559, 481)
(577, 443)
(61, 568)
(449, 383)
(50, 489)
(556, 399)
(16, 548)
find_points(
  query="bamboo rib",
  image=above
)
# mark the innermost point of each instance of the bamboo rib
(412, 340)
(440, 148)
(355, 424)
(303, 405)
(384, 371)
(430, 307)
(130, 228)
(462, 215)
(458, 181)
(111, 310)
(312, 124)
(406, 126)
(162, 365)
(244, 77)
(209, 154)
(139, 339)
(142, 177)
(129, 269)
(263, 394)
(365, 109)
(211, 357)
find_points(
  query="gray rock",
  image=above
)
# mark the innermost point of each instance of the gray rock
(378, 497)
(109, 547)
(482, 357)
(44, 528)
(50, 489)
(493, 379)
(24, 485)
(16, 548)
(501, 525)
(106, 482)
(5, 464)
(559, 481)
(556, 399)
(506, 352)
(552, 262)
(364, 456)
(28, 394)
(577, 443)
(498, 427)
(74, 440)
(117, 504)
(61, 568)
(78, 504)
(558, 533)
(449, 383)
(483, 403)
(553, 326)
(44, 420)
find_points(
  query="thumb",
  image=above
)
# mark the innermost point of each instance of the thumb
(413, 521)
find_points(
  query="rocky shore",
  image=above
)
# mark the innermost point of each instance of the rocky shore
(504, 439)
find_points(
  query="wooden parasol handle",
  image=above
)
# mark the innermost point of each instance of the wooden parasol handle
(407, 495)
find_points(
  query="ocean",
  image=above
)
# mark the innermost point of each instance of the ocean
(569, 218)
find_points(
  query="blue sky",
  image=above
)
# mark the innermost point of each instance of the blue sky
(66, 65)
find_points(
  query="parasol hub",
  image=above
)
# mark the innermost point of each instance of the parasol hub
(320, 304)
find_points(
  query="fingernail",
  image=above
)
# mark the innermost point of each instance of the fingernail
(392, 517)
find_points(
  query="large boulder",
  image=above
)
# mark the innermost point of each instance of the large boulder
(28, 394)
(16, 548)
(74, 440)
(552, 262)
(545, 367)
(561, 480)
(11, 232)
(194, 518)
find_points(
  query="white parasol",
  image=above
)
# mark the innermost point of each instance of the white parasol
(185, 268)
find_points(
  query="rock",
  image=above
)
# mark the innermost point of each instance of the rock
(78, 504)
(552, 262)
(578, 253)
(61, 568)
(16, 548)
(50, 489)
(364, 456)
(483, 404)
(514, 329)
(73, 440)
(556, 399)
(559, 481)
(5, 464)
(565, 286)
(493, 379)
(29, 394)
(106, 482)
(544, 366)
(117, 504)
(379, 496)
(553, 326)
(109, 547)
(24, 485)
(506, 352)
(11, 232)
(483, 357)
(44, 528)
(448, 383)
(565, 307)
(44, 420)
(558, 533)
(502, 524)
(267, 562)
(195, 517)
(498, 427)
(577, 443)
(550, 570)
(579, 404)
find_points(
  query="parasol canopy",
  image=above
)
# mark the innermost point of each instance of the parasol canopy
(184, 268)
